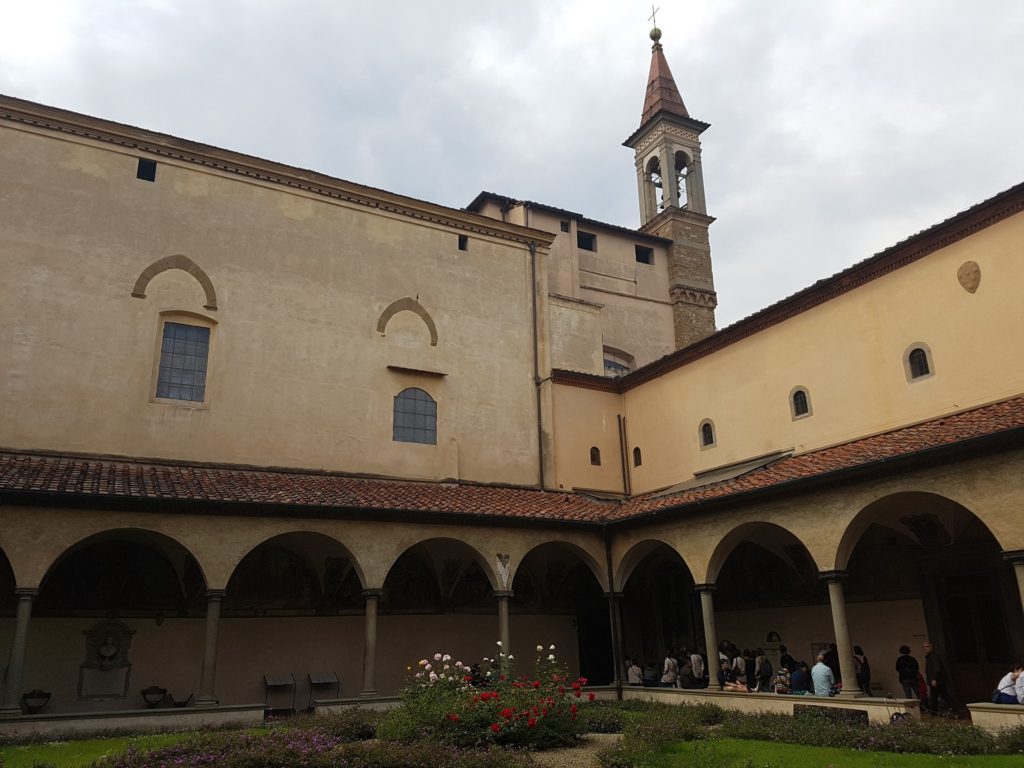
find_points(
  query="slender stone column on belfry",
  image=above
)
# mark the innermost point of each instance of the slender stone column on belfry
(707, 610)
(16, 666)
(372, 596)
(844, 647)
(1016, 557)
(615, 623)
(207, 696)
(504, 598)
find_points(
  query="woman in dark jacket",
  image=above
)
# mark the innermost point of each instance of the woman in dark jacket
(863, 670)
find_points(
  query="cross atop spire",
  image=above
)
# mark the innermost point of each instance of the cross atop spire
(662, 93)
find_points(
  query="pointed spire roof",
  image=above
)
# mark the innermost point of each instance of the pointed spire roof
(662, 93)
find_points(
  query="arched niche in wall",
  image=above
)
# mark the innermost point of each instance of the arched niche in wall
(407, 304)
(178, 261)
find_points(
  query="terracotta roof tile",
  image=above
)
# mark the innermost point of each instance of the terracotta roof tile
(112, 479)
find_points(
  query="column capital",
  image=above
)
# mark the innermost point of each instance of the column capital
(613, 595)
(1015, 556)
(833, 576)
(503, 594)
(708, 587)
(373, 594)
(26, 593)
(216, 594)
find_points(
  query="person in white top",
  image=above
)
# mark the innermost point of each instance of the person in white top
(1019, 687)
(669, 671)
(697, 662)
(634, 675)
(1006, 691)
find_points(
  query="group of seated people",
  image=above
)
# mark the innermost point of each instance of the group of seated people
(1011, 687)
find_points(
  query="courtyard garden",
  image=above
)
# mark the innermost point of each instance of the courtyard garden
(454, 715)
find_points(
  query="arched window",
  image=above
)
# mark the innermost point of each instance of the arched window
(918, 361)
(415, 419)
(637, 458)
(799, 403)
(707, 434)
(595, 456)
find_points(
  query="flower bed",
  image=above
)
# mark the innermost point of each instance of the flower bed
(455, 704)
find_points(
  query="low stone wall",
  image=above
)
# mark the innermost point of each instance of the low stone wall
(996, 717)
(878, 710)
(378, 703)
(132, 720)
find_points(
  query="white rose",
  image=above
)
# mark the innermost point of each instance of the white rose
(540, 648)
(551, 657)
(446, 657)
(552, 647)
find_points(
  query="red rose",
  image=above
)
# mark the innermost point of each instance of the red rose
(507, 713)
(503, 678)
(561, 689)
(467, 678)
(591, 696)
(453, 717)
(578, 694)
(495, 727)
(531, 723)
(573, 709)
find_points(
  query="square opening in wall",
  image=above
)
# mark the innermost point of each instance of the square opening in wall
(146, 170)
(644, 255)
(586, 241)
(564, 226)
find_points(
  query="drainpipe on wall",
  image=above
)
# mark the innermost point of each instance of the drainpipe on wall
(624, 456)
(536, 358)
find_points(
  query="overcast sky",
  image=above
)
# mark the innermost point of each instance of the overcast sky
(837, 127)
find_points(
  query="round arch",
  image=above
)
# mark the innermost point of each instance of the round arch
(436, 546)
(587, 559)
(185, 264)
(407, 304)
(771, 533)
(325, 540)
(637, 554)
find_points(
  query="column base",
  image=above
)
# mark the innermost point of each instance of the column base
(205, 703)
(367, 694)
(844, 694)
(9, 713)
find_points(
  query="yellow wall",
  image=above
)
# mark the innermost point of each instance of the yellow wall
(847, 352)
(298, 372)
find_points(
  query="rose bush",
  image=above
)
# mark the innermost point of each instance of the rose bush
(450, 702)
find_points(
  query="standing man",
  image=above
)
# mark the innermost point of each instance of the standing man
(697, 662)
(938, 679)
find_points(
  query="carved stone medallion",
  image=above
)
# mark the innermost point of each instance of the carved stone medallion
(969, 276)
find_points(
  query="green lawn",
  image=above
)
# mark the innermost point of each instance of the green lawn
(736, 753)
(72, 754)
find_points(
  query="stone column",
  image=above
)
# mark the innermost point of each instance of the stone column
(669, 186)
(12, 687)
(615, 623)
(207, 697)
(1017, 558)
(844, 647)
(504, 598)
(370, 642)
(707, 610)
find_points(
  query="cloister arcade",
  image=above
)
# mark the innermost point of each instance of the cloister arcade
(210, 605)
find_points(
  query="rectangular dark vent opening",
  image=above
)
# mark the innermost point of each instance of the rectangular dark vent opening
(564, 225)
(147, 170)
(644, 255)
(463, 242)
(586, 241)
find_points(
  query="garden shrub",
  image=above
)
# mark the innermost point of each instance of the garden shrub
(354, 724)
(659, 725)
(603, 717)
(448, 702)
(1011, 741)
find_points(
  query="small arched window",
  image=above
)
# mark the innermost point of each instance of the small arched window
(638, 459)
(799, 403)
(707, 434)
(918, 360)
(595, 456)
(617, 362)
(415, 419)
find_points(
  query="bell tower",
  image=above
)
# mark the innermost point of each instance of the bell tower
(672, 205)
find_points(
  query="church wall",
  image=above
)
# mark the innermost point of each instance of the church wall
(297, 370)
(879, 627)
(170, 654)
(849, 354)
(585, 419)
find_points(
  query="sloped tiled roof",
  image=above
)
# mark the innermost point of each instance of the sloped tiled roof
(23, 476)
(662, 93)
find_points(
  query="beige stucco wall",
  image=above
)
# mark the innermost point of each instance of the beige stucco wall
(297, 372)
(170, 654)
(847, 352)
(579, 412)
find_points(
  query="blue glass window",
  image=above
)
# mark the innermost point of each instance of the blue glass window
(415, 417)
(183, 356)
